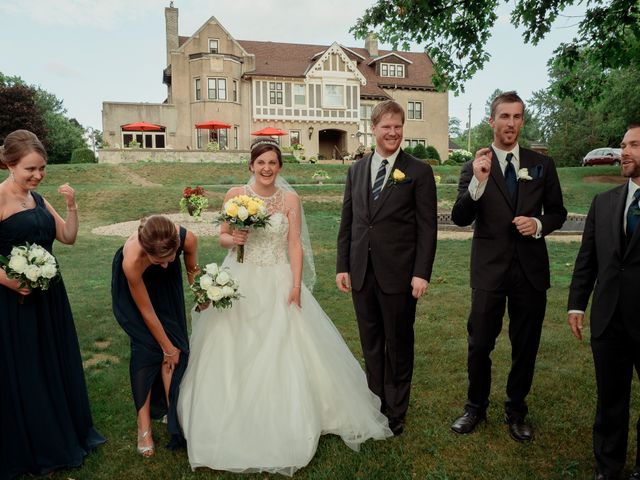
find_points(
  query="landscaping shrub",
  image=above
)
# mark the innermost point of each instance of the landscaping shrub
(433, 153)
(420, 151)
(83, 155)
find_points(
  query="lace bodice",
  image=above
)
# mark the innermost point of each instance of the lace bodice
(268, 246)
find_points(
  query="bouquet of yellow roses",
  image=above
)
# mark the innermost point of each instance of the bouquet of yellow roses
(244, 211)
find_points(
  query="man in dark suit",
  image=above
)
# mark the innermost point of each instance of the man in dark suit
(609, 257)
(386, 248)
(513, 195)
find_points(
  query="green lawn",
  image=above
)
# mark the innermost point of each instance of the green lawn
(562, 401)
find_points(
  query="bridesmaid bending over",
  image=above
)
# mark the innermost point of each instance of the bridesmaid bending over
(45, 420)
(148, 303)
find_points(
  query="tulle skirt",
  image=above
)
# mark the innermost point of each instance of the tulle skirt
(266, 379)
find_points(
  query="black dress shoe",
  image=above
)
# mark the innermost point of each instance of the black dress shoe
(467, 422)
(396, 425)
(635, 476)
(604, 476)
(519, 431)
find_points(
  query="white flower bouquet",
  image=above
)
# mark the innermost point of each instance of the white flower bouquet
(31, 265)
(244, 211)
(216, 285)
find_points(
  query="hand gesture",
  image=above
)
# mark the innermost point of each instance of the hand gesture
(69, 195)
(343, 283)
(239, 235)
(418, 287)
(575, 322)
(171, 359)
(482, 164)
(527, 226)
(294, 297)
(14, 285)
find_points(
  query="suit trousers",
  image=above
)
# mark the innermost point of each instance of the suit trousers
(526, 307)
(385, 323)
(615, 354)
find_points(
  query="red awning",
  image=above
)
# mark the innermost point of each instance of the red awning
(141, 127)
(269, 131)
(212, 125)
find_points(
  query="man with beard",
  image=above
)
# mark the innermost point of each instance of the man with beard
(609, 258)
(513, 195)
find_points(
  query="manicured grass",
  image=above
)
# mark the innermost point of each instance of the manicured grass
(562, 400)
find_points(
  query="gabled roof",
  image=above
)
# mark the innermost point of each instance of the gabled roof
(390, 54)
(212, 19)
(278, 59)
(337, 49)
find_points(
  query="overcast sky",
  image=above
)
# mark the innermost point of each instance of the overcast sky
(89, 51)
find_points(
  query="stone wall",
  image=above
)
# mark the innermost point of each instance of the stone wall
(132, 155)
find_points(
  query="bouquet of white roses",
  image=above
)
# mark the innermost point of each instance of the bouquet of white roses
(32, 265)
(244, 211)
(215, 285)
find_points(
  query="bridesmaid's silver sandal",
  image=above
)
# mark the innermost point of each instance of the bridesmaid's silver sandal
(149, 450)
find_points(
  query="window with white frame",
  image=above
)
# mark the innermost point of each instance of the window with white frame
(392, 70)
(217, 88)
(413, 142)
(221, 137)
(294, 137)
(213, 45)
(333, 96)
(235, 137)
(414, 111)
(366, 138)
(235, 91)
(299, 94)
(198, 89)
(275, 93)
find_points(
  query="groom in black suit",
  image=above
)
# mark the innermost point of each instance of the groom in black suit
(386, 248)
(609, 257)
(513, 195)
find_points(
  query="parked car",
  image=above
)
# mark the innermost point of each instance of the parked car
(602, 156)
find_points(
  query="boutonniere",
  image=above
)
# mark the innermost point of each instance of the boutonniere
(397, 177)
(523, 174)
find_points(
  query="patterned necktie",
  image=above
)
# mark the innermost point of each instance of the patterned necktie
(633, 214)
(510, 176)
(379, 181)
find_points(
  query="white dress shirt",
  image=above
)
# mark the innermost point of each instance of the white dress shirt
(376, 160)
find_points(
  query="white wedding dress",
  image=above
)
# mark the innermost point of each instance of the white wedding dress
(266, 379)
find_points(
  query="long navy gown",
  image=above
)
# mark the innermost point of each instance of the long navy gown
(164, 286)
(45, 420)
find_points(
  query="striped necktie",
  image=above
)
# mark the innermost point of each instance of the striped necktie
(379, 181)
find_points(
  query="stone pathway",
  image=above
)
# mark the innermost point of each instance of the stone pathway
(135, 178)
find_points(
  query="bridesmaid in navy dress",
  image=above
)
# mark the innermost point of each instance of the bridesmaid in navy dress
(148, 303)
(45, 420)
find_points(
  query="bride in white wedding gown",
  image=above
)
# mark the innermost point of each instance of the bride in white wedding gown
(271, 374)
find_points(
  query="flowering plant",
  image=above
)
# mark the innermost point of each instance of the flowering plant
(523, 174)
(32, 265)
(194, 201)
(320, 175)
(215, 285)
(244, 211)
(438, 179)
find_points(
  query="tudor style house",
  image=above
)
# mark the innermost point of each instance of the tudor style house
(322, 96)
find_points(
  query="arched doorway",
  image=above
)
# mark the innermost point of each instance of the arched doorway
(332, 143)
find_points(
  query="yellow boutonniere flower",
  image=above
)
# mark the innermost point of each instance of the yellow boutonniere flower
(398, 175)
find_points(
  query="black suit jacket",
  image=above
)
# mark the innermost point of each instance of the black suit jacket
(495, 239)
(606, 260)
(398, 230)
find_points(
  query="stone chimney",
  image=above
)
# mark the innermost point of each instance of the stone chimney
(171, 23)
(371, 44)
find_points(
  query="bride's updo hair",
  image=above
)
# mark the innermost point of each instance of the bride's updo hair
(158, 236)
(17, 145)
(264, 144)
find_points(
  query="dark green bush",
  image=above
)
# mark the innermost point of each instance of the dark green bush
(433, 153)
(408, 150)
(420, 151)
(289, 159)
(82, 155)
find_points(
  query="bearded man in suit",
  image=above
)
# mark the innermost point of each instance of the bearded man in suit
(386, 249)
(513, 195)
(609, 258)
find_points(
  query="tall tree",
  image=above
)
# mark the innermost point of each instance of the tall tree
(455, 33)
(19, 110)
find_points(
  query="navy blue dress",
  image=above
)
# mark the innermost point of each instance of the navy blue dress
(45, 420)
(164, 286)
